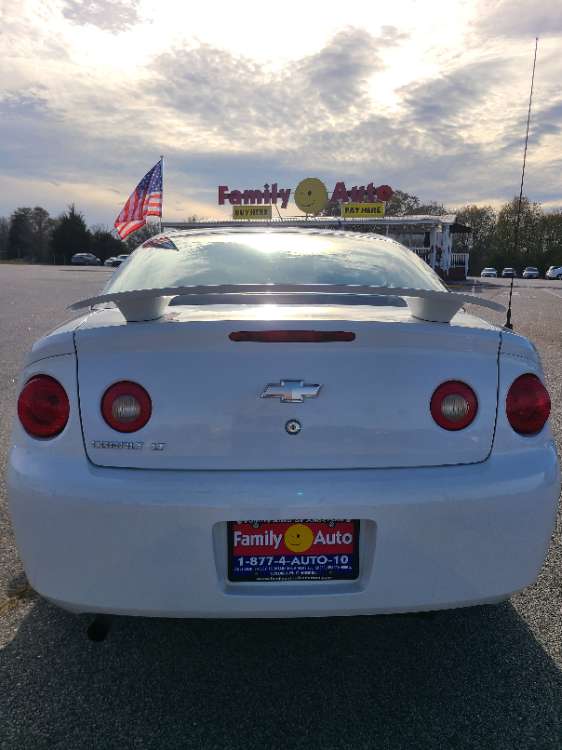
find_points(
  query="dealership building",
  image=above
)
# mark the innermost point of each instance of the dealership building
(430, 237)
(361, 208)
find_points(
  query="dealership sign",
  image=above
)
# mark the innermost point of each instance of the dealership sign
(251, 197)
(310, 196)
(363, 210)
(251, 212)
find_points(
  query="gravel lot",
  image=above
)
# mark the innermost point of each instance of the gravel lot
(487, 677)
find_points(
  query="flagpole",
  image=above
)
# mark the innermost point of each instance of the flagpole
(162, 204)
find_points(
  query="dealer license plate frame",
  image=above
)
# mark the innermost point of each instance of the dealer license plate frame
(316, 573)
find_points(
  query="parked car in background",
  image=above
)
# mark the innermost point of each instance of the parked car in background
(120, 259)
(489, 272)
(554, 272)
(85, 259)
(509, 273)
(109, 261)
(531, 272)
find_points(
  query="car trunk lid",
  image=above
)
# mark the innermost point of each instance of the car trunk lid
(371, 409)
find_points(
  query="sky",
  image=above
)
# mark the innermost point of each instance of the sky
(428, 97)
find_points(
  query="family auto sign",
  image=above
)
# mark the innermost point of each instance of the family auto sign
(310, 196)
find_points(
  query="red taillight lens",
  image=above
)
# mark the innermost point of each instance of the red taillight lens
(291, 337)
(453, 405)
(527, 405)
(126, 406)
(43, 407)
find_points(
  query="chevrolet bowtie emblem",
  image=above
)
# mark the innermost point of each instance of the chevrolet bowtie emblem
(291, 391)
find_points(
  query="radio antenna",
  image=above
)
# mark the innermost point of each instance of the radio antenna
(508, 323)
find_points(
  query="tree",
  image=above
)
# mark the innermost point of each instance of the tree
(42, 227)
(103, 244)
(478, 242)
(402, 204)
(70, 236)
(20, 237)
(4, 237)
(405, 204)
(530, 242)
(431, 209)
(551, 233)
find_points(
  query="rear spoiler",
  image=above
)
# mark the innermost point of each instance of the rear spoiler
(425, 304)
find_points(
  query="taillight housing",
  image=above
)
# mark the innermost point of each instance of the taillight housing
(527, 405)
(453, 405)
(43, 407)
(126, 406)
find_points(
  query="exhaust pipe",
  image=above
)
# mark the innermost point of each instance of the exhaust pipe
(99, 628)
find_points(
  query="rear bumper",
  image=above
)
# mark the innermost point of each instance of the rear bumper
(154, 542)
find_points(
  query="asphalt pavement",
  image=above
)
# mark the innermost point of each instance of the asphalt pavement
(484, 677)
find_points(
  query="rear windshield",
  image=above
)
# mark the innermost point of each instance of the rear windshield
(272, 257)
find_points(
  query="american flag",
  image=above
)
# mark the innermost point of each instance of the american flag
(161, 241)
(145, 200)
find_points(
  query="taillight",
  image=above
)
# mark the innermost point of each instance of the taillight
(126, 406)
(527, 405)
(43, 407)
(453, 405)
(292, 336)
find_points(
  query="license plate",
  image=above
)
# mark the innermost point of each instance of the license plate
(293, 550)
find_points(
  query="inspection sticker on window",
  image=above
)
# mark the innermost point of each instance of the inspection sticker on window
(293, 550)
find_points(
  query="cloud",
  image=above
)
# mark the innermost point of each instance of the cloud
(448, 102)
(520, 18)
(108, 15)
(23, 105)
(547, 121)
(235, 98)
(336, 77)
(452, 135)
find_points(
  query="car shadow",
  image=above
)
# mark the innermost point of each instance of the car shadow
(474, 678)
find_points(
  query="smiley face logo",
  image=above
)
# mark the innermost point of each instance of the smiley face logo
(298, 537)
(311, 195)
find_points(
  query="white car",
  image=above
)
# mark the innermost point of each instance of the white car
(281, 423)
(554, 272)
(120, 259)
(509, 273)
(489, 273)
(531, 272)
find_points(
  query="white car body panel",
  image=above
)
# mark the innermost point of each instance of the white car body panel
(372, 410)
(446, 519)
(153, 542)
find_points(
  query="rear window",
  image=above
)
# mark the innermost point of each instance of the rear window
(272, 257)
